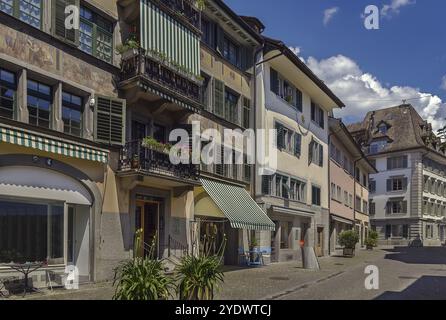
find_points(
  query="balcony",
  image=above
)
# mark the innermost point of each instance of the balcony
(135, 158)
(161, 78)
(185, 9)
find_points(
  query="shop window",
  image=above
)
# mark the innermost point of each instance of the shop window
(39, 104)
(8, 93)
(72, 110)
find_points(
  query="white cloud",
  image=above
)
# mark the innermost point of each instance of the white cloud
(394, 7)
(363, 92)
(329, 14)
(296, 50)
(443, 83)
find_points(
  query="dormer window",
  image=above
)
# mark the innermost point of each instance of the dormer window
(383, 128)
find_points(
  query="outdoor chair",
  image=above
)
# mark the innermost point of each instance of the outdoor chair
(3, 283)
(54, 279)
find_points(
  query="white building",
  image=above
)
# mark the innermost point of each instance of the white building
(408, 194)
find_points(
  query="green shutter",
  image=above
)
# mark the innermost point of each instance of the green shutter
(59, 17)
(280, 136)
(310, 152)
(321, 155)
(299, 101)
(274, 81)
(297, 144)
(110, 120)
(219, 97)
(266, 185)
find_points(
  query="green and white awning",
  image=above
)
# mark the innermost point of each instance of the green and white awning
(238, 206)
(35, 141)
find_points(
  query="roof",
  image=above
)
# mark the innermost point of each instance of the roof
(406, 129)
(254, 22)
(278, 44)
(338, 129)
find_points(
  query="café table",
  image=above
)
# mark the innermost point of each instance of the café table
(26, 269)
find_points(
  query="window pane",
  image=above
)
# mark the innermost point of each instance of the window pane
(30, 12)
(6, 6)
(72, 113)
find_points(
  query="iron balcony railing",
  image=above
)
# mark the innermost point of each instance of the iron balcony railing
(135, 157)
(187, 9)
(157, 69)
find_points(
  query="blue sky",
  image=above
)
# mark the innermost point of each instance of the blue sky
(405, 58)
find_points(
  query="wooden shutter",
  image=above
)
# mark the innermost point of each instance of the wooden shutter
(389, 164)
(405, 182)
(310, 152)
(321, 155)
(299, 100)
(110, 120)
(219, 97)
(389, 207)
(313, 111)
(219, 159)
(405, 162)
(297, 144)
(59, 16)
(246, 113)
(389, 185)
(404, 205)
(280, 136)
(266, 184)
(321, 118)
(406, 231)
(274, 81)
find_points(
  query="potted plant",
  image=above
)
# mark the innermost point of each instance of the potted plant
(129, 48)
(253, 246)
(372, 240)
(135, 161)
(348, 239)
(289, 99)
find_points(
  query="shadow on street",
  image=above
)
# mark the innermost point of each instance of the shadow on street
(425, 288)
(425, 255)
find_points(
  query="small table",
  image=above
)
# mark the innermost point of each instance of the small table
(258, 258)
(26, 269)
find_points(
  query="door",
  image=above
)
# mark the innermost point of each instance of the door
(79, 240)
(320, 242)
(147, 219)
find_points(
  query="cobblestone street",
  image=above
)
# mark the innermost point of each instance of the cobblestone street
(417, 273)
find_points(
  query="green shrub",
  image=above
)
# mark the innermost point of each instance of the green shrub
(348, 239)
(372, 239)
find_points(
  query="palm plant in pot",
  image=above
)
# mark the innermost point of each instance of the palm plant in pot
(198, 276)
(348, 239)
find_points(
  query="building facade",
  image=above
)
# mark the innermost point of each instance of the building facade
(293, 101)
(407, 204)
(349, 176)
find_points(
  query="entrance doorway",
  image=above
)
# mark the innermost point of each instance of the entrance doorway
(148, 221)
(320, 242)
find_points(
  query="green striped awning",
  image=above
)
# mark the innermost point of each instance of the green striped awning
(47, 144)
(238, 206)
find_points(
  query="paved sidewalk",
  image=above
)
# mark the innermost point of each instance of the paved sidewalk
(270, 282)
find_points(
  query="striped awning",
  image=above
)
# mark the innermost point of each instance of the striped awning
(35, 141)
(238, 206)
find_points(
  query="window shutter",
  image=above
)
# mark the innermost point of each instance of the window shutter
(59, 16)
(389, 164)
(310, 152)
(280, 137)
(313, 111)
(321, 155)
(389, 185)
(404, 207)
(110, 120)
(274, 81)
(389, 208)
(266, 184)
(297, 144)
(299, 100)
(219, 39)
(405, 162)
(321, 118)
(219, 97)
(406, 231)
(405, 182)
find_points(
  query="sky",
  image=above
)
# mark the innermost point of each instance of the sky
(368, 69)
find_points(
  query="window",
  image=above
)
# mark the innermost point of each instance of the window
(288, 140)
(231, 52)
(297, 190)
(31, 232)
(282, 187)
(316, 153)
(29, 11)
(339, 193)
(267, 185)
(372, 186)
(372, 208)
(159, 133)
(333, 191)
(397, 163)
(382, 128)
(315, 196)
(346, 198)
(396, 184)
(206, 92)
(8, 90)
(96, 35)
(396, 206)
(365, 207)
(429, 231)
(377, 146)
(317, 115)
(72, 108)
(350, 201)
(399, 231)
(246, 123)
(358, 203)
(231, 106)
(364, 179)
(110, 117)
(206, 29)
(39, 104)
(285, 90)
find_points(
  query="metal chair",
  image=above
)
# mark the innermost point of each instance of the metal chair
(3, 282)
(53, 279)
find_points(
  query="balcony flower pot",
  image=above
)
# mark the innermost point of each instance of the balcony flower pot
(135, 162)
(348, 252)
